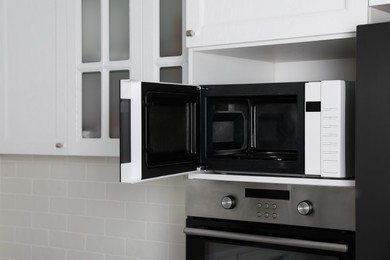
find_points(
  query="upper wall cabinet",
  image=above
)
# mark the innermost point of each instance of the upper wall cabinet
(32, 77)
(223, 22)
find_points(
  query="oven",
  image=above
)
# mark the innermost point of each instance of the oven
(290, 129)
(248, 221)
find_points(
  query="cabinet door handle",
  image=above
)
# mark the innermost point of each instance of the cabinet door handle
(59, 145)
(190, 33)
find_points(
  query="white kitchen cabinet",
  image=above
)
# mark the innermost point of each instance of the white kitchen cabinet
(220, 22)
(33, 82)
(60, 66)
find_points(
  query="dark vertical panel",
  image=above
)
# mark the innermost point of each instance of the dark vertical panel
(373, 141)
(115, 77)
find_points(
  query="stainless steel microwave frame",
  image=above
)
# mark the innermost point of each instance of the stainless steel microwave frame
(292, 129)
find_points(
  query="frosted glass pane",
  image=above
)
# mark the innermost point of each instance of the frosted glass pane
(119, 29)
(115, 77)
(91, 31)
(171, 74)
(91, 106)
(170, 28)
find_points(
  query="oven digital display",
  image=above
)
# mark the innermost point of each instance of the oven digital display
(267, 194)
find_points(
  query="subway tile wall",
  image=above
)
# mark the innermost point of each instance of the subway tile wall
(74, 208)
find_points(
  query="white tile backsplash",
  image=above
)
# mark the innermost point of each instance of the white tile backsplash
(15, 251)
(126, 228)
(68, 206)
(32, 236)
(79, 255)
(106, 209)
(86, 225)
(15, 218)
(106, 245)
(144, 249)
(67, 240)
(49, 221)
(31, 203)
(74, 208)
(7, 234)
(39, 253)
(16, 185)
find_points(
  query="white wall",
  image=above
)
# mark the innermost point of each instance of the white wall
(74, 208)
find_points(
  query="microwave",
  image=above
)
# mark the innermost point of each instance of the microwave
(291, 129)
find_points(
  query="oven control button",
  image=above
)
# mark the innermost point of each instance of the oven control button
(228, 202)
(266, 215)
(305, 207)
(259, 214)
(274, 215)
(259, 205)
(274, 206)
(266, 205)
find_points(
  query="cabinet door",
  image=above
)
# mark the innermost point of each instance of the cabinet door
(223, 22)
(32, 78)
(102, 53)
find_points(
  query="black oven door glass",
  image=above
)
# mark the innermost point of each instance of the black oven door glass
(217, 239)
(225, 251)
(170, 135)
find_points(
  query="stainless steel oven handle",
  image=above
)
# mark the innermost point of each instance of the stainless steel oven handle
(268, 240)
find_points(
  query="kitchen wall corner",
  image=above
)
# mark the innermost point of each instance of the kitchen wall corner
(73, 208)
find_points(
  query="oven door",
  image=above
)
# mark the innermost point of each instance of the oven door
(159, 128)
(209, 239)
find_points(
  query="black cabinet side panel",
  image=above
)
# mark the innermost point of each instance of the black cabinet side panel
(373, 141)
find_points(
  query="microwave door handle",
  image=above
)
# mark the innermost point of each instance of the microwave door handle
(334, 247)
(125, 130)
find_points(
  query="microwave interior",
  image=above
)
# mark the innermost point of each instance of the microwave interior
(247, 128)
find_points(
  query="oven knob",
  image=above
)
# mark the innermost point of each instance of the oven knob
(228, 202)
(305, 207)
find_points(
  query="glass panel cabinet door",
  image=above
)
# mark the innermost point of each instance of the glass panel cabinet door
(102, 60)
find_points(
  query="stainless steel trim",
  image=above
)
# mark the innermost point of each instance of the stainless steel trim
(268, 240)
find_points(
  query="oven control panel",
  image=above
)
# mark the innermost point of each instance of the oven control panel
(288, 204)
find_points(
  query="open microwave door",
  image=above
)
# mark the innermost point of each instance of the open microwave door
(159, 128)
